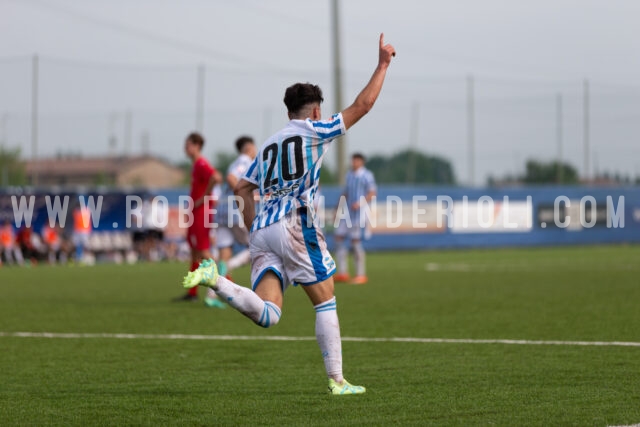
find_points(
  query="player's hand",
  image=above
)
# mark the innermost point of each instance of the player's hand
(386, 52)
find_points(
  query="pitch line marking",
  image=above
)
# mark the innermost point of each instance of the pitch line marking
(290, 338)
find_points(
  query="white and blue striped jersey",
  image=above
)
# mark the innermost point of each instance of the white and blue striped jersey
(237, 168)
(358, 184)
(287, 167)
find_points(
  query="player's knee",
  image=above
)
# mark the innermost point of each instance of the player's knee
(270, 315)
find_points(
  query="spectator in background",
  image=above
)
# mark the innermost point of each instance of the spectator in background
(27, 243)
(139, 231)
(360, 185)
(11, 249)
(56, 247)
(154, 218)
(81, 231)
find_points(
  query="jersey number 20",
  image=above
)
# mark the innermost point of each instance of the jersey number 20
(271, 154)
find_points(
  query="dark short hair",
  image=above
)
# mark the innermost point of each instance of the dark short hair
(196, 138)
(301, 94)
(242, 141)
(359, 156)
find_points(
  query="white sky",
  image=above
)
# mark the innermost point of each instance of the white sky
(101, 58)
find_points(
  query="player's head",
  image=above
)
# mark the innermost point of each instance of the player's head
(303, 101)
(357, 161)
(193, 145)
(246, 145)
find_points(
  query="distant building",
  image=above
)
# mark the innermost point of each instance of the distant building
(138, 171)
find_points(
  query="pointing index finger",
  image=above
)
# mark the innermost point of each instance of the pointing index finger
(381, 39)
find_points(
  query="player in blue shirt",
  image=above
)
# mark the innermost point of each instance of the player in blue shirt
(285, 244)
(360, 188)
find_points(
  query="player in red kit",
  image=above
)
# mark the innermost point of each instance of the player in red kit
(203, 178)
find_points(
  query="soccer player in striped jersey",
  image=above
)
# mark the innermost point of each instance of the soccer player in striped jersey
(229, 229)
(360, 188)
(286, 245)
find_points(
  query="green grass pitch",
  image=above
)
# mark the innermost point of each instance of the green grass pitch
(564, 294)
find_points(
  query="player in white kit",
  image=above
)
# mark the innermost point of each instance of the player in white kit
(286, 246)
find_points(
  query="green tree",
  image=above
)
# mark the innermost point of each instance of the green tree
(327, 176)
(12, 169)
(411, 166)
(223, 161)
(550, 173)
(186, 166)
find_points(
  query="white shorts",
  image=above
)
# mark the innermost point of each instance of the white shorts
(355, 232)
(227, 235)
(292, 249)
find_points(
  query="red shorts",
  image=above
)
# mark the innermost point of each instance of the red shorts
(198, 234)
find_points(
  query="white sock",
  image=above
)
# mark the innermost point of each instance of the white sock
(263, 313)
(342, 254)
(211, 294)
(240, 259)
(358, 257)
(328, 336)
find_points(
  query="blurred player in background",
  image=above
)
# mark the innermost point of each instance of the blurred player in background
(10, 247)
(203, 178)
(81, 232)
(52, 239)
(230, 230)
(360, 186)
(286, 246)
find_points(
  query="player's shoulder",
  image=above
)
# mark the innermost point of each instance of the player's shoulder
(369, 175)
(335, 121)
(201, 161)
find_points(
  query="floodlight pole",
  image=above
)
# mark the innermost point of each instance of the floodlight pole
(586, 129)
(560, 171)
(200, 98)
(341, 148)
(34, 118)
(413, 142)
(128, 129)
(471, 130)
(3, 126)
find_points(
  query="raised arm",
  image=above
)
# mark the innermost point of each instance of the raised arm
(365, 100)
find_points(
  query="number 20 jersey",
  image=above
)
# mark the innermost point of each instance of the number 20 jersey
(287, 167)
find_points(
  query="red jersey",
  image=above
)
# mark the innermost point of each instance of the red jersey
(200, 176)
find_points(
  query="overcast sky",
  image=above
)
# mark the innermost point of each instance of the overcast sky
(99, 59)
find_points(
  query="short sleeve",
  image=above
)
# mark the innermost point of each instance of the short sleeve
(371, 182)
(329, 129)
(238, 169)
(252, 172)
